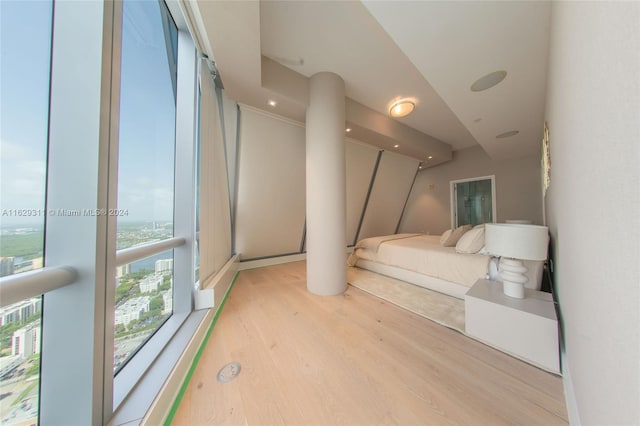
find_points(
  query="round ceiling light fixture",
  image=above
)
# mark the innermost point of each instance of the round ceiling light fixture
(401, 108)
(507, 134)
(488, 81)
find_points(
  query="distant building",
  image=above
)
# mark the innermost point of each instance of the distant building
(132, 309)
(26, 341)
(20, 311)
(151, 283)
(21, 263)
(167, 297)
(164, 265)
(123, 270)
(6, 266)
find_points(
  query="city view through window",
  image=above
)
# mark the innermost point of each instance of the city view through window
(25, 39)
(144, 298)
(146, 147)
(144, 291)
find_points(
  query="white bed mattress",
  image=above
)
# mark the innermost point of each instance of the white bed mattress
(424, 254)
(422, 260)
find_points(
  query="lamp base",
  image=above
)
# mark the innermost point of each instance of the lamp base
(513, 277)
(511, 289)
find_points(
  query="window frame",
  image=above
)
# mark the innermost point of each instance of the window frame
(77, 381)
(453, 200)
(184, 229)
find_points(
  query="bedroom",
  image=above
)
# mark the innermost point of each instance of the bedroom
(591, 207)
(566, 207)
(519, 193)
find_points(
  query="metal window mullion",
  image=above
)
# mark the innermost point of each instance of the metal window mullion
(109, 184)
(184, 219)
(404, 207)
(223, 125)
(236, 174)
(73, 316)
(374, 173)
(166, 22)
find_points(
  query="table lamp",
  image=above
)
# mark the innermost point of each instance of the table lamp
(514, 243)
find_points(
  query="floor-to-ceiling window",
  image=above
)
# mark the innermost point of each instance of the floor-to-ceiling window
(98, 202)
(25, 55)
(146, 170)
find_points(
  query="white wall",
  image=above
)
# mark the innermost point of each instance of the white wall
(389, 194)
(518, 190)
(361, 161)
(229, 109)
(270, 211)
(593, 205)
(215, 211)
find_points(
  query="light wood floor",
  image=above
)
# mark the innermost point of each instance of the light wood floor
(354, 359)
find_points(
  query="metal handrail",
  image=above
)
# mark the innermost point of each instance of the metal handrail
(18, 287)
(22, 286)
(132, 254)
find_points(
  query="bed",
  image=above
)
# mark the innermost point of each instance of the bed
(423, 260)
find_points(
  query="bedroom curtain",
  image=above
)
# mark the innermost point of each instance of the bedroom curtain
(214, 211)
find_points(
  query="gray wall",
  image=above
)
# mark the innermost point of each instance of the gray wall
(593, 204)
(518, 190)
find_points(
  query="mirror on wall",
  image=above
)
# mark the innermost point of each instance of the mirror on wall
(473, 201)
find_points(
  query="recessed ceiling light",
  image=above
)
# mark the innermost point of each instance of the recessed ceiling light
(430, 157)
(507, 134)
(348, 129)
(272, 103)
(488, 81)
(420, 167)
(396, 146)
(401, 108)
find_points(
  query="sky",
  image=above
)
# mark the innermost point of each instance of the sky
(24, 84)
(147, 112)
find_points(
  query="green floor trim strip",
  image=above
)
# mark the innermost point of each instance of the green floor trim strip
(196, 359)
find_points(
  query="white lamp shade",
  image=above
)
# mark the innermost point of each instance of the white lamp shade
(517, 241)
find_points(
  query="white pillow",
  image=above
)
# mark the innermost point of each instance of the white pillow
(454, 236)
(471, 242)
(445, 236)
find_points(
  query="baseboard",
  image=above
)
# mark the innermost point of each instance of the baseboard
(278, 260)
(166, 400)
(569, 394)
(259, 263)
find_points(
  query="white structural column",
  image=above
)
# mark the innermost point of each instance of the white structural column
(326, 186)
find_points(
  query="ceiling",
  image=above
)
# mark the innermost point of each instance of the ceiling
(431, 52)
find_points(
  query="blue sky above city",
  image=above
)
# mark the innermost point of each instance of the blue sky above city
(25, 34)
(147, 112)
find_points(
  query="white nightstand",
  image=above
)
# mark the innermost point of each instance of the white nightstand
(525, 328)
